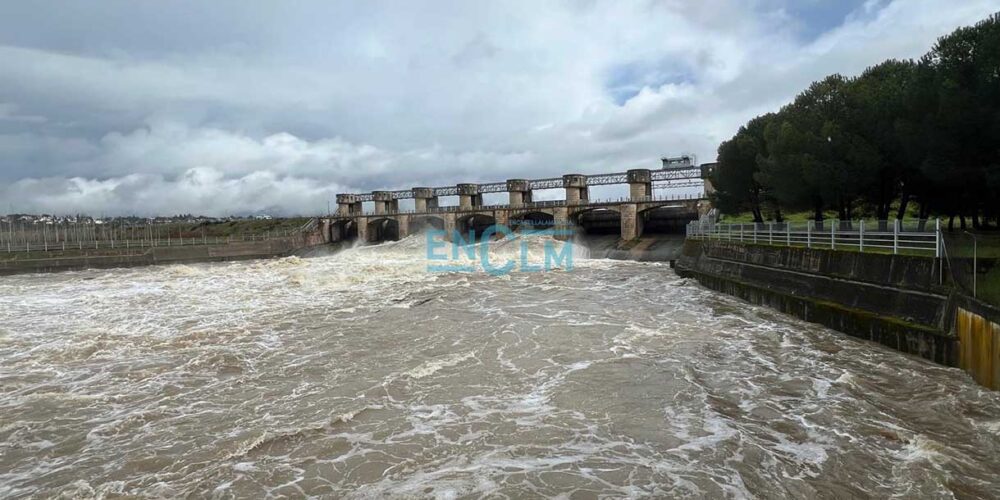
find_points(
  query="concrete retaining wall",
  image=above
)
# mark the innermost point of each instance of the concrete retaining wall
(890, 299)
(653, 248)
(977, 326)
(110, 258)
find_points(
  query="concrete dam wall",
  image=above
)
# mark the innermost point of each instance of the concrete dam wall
(650, 248)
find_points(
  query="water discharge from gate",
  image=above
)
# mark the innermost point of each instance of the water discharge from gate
(361, 374)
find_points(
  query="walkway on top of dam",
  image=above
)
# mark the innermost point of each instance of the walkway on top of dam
(612, 202)
(629, 217)
(640, 181)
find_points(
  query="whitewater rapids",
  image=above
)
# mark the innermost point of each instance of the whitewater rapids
(361, 374)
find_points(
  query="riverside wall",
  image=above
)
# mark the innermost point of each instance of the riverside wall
(67, 260)
(977, 326)
(895, 300)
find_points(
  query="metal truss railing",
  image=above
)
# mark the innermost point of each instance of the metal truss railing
(534, 205)
(672, 174)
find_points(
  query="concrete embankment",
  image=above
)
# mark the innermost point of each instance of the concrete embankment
(652, 248)
(895, 300)
(66, 260)
(74, 259)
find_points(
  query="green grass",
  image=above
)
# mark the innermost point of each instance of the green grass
(986, 248)
(988, 286)
(236, 227)
(747, 217)
(962, 245)
(229, 228)
(838, 247)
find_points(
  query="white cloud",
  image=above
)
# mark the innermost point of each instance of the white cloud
(198, 191)
(255, 108)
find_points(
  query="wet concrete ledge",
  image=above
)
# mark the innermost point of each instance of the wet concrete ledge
(653, 248)
(894, 300)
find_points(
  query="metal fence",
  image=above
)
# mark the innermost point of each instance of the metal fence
(540, 204)
(912, 237)
(33, 237)
(968, 268)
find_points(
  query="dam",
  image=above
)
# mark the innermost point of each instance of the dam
(669, 210)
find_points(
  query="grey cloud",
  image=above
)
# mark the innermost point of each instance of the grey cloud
(233, 106)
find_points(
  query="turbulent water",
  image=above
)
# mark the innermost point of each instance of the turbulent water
(362, 375)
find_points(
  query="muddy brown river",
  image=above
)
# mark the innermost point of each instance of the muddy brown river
(362, 375)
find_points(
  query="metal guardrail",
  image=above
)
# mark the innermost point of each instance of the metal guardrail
(669, 174)
(312, 224)
(536, 204)
(681, 183)
(860, 235)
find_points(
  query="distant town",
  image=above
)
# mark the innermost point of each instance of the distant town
(49, 219)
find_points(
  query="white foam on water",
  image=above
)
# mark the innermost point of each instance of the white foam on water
(433, 366)
(363, 374)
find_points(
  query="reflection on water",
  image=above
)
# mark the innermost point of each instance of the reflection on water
(359, 374)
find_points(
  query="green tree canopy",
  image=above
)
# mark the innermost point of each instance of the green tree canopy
(901, 132)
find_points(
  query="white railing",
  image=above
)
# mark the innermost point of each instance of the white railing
(865, 236)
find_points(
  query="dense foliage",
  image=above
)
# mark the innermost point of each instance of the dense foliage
(919, 137)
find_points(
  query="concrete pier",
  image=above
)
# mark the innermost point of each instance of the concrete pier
(519, 191)
(348, 204)
(640, 183)
(424, 199)
(576, 189)
(631, 222)
(384, 202)
(469, 196)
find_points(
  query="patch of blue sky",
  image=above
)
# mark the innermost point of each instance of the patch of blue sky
(812, 18)
(625, 81)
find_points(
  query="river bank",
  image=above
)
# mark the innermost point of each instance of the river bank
(140, 253)
(903, 302)
(70, 260)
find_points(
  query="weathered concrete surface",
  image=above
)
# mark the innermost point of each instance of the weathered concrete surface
(68, 260)
(88, 259)
(890, 299)
(651, 248)
(977, 326)
(631, 217)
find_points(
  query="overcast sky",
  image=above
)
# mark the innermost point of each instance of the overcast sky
(239, 106)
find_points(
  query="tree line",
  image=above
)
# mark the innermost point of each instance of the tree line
(904, 137)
